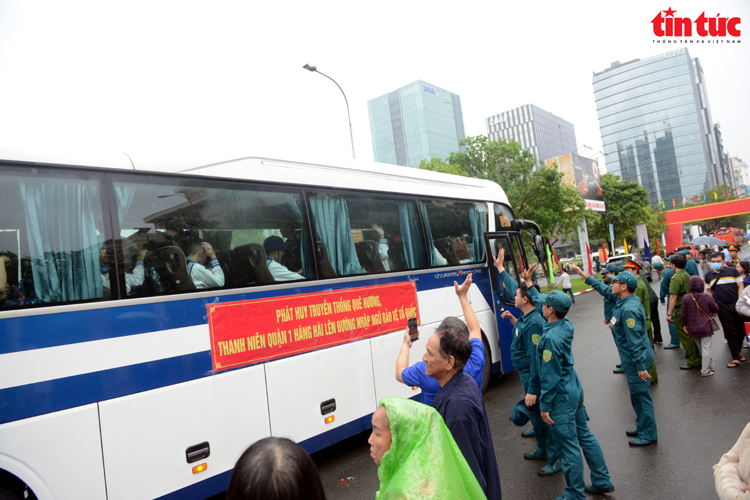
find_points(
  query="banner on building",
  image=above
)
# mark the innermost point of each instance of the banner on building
(583, 174)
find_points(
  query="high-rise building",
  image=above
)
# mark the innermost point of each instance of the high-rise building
(655, 123)
(723, 156)
(416, 122)
(539, 132)
(740, 173)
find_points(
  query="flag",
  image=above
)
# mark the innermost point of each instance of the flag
(554, 254)
(695, 199)
(738, 191)
(716, 196)
(646, 250)
(727, 191)
(657, 246)
(549, 263)
(606, 255)
(673, 203)
(662, 204)
(588, 258)
(683, 201)
(626, 245)
(704, 197)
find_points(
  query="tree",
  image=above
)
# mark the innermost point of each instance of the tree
(627, 206)
(538, 195)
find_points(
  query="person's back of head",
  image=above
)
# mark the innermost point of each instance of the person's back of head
(679, 261)
(454, 340)
(275, 469)
(195, 248)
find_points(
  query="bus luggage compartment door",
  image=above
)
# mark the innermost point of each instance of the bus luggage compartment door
(145, 435)
(299, 384)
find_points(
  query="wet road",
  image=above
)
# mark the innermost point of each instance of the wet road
(698, 419)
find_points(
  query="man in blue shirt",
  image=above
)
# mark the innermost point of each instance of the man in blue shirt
(460, 403)
(415, 376)
(561, 400)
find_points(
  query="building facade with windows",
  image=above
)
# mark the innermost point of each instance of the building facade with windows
(539, 132)
(656, 127)
(416, 122)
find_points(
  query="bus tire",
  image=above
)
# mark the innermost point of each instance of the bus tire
(487, 370)
(7, 495)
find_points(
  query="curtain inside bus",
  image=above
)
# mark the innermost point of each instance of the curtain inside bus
(410, 235)
(61, 222)
(332, 227)
(478, 227)
(291, 201)
(430, 244)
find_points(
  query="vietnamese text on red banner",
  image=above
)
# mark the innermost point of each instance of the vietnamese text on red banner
(253, 331)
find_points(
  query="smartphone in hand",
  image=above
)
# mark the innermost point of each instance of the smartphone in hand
(413, 331)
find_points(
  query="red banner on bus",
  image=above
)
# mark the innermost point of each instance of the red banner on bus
(252, 331)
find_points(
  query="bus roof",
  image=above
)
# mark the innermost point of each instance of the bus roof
(352, 174)
(355, 174)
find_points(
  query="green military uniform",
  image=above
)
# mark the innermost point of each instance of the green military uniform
(641, 291)
(679, 287)
(561, 395)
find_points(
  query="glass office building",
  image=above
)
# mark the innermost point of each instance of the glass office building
(539, 132)
(416, 122)
(656, 126)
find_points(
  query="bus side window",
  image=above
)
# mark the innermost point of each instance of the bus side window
(206, 236)
(51, 234)
(365, 234)
(454, 231)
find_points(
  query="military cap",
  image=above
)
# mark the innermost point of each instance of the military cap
(612, 268)
(658, 265)
(733, 247)
(634, 265)
(626, 279)
(519, 415)
(559, 301)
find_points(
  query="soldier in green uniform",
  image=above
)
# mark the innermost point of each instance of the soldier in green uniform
(691, 267)
(642, 292)
(526, 334)
(629, 328)
(666, 280)
(561, 400)
(677, 289)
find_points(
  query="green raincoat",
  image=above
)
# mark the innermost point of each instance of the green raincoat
(424, 461)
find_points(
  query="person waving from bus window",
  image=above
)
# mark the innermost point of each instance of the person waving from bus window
(383, 247)
(274, 247)
(415, 376)
(4, 287)
(203, 276)
(132, 280)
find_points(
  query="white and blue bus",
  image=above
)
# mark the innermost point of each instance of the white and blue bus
(107, 385)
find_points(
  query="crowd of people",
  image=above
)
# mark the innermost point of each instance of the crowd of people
(450, 426)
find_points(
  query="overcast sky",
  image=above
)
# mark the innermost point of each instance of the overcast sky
(180, 84)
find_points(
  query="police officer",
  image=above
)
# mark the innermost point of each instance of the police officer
(561, 399)
(733, 253)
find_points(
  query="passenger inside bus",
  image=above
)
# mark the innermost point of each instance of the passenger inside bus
(274, 247)
(133, 279)
(4, 286)
(203, 276)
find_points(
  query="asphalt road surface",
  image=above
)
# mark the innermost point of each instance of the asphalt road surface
(698, 419)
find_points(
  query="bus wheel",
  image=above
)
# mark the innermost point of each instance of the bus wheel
(487, 371)
(7, 495)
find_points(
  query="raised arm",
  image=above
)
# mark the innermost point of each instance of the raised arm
(402, 362)
(470, 316)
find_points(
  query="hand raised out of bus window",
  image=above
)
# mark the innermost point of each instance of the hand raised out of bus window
(462, 290)
(507, 315)
(499, 259)
(142, 254)
(4, 259)
(209, 250)
(580, 271)
(379, 230)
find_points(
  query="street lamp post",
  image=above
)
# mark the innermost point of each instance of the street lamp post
(351, 135)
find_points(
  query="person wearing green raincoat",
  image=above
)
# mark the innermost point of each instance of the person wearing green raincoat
(417, 456)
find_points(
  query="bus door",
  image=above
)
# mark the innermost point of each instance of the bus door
(504, 298)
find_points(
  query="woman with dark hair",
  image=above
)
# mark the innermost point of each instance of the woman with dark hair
(744, 269)
(275, 469)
